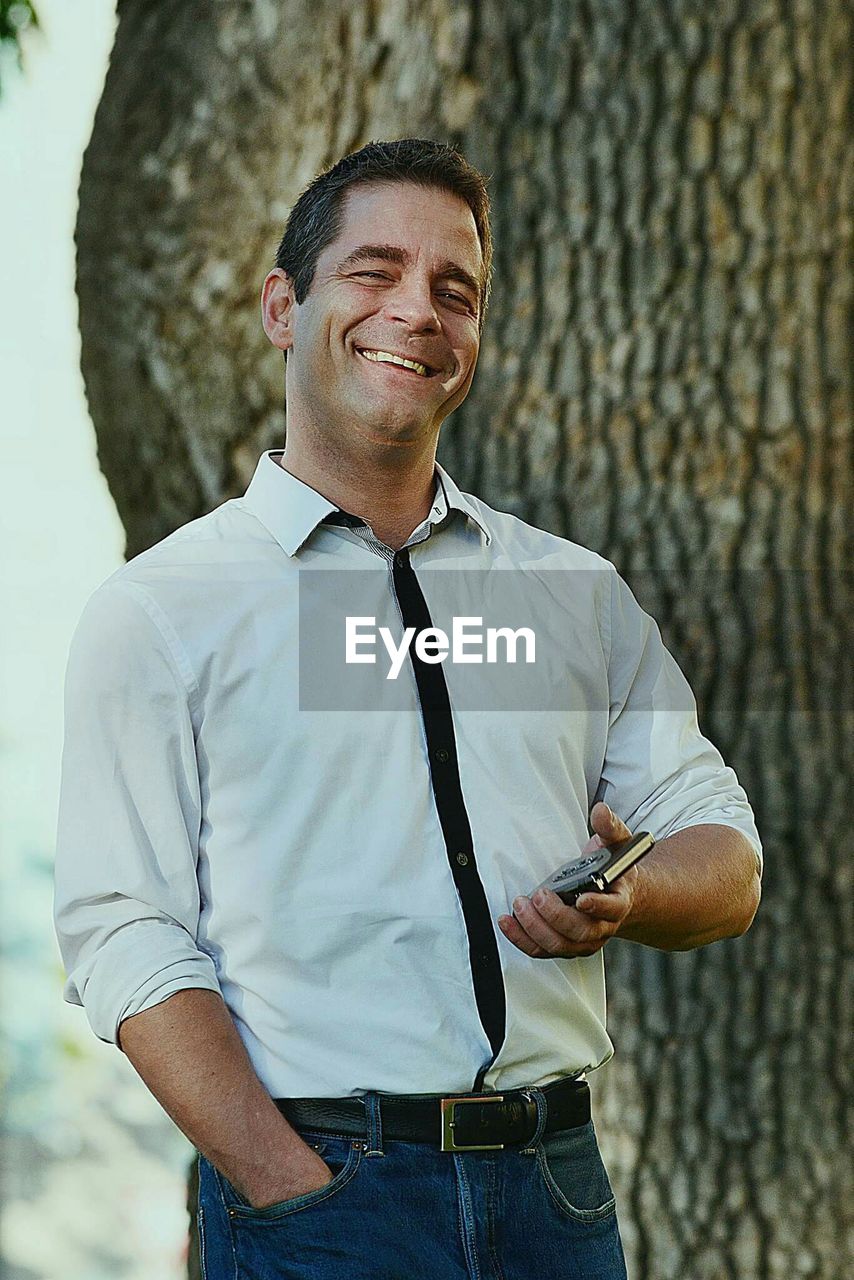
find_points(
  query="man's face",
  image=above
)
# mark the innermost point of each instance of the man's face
(401, 279)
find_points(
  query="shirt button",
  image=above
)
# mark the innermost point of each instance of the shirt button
(442, 755)
(462, 859)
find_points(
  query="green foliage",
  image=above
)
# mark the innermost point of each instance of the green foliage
(70, 1050)
(15, 17)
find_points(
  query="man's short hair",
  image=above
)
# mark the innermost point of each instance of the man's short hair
(315, 219)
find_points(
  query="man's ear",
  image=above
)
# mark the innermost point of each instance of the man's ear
(277, 305)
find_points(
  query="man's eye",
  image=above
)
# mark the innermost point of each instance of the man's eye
(457, 297)
(373, 275)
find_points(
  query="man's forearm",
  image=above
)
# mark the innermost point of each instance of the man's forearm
(190, 1055)
(697, 886)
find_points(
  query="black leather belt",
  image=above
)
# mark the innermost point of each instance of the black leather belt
(454, 1122)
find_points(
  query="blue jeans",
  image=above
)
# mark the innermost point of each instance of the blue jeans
(399, 1210)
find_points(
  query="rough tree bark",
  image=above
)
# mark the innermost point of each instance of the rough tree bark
(664, 377)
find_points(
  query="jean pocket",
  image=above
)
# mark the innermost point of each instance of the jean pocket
(574, 1174)
(342, 1156)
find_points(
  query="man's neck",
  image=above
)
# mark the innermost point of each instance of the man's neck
(393, 503)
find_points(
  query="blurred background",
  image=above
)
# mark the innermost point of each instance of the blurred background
(665, 377)
(93, 1172)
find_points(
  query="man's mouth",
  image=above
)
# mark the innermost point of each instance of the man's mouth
(389, 357)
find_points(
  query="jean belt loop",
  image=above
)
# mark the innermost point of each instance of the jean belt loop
(375, 1127)
(542, 1111)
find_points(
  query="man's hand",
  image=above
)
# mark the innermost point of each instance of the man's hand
(550, 929)
(305, 1172)
(190, 1055)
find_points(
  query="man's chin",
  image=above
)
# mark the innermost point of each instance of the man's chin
(394, 430)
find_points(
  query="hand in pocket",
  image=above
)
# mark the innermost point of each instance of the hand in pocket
(305, 1173)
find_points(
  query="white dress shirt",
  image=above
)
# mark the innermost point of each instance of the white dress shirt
(228, 820)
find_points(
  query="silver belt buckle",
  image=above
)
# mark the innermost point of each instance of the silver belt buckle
(448, 1107)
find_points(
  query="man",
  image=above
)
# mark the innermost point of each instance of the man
(307, 921)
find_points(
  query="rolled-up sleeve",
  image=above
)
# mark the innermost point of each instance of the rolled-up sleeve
(660, 773)
(126, 900)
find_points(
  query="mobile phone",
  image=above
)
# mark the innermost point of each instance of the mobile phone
(595, 871)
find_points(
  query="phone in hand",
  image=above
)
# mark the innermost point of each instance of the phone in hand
(594, 872)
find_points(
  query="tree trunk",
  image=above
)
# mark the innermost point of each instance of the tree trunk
(665, 378)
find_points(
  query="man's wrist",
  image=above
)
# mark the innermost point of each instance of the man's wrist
(635, 914)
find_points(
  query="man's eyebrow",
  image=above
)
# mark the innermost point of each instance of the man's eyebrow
(367, 252)
(449, 270)
(453, 271)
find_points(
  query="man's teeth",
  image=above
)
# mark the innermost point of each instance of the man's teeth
(385, 357)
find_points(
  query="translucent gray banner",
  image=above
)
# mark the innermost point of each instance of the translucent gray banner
(506, 640)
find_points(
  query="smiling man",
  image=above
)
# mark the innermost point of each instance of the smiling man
(310, 929)
(383, 346)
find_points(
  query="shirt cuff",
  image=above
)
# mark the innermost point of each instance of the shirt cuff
(135, 969)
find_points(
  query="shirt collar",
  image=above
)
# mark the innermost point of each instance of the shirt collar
(291, 510)
(460, 501)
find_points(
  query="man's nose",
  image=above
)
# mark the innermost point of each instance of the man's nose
(412, 302)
